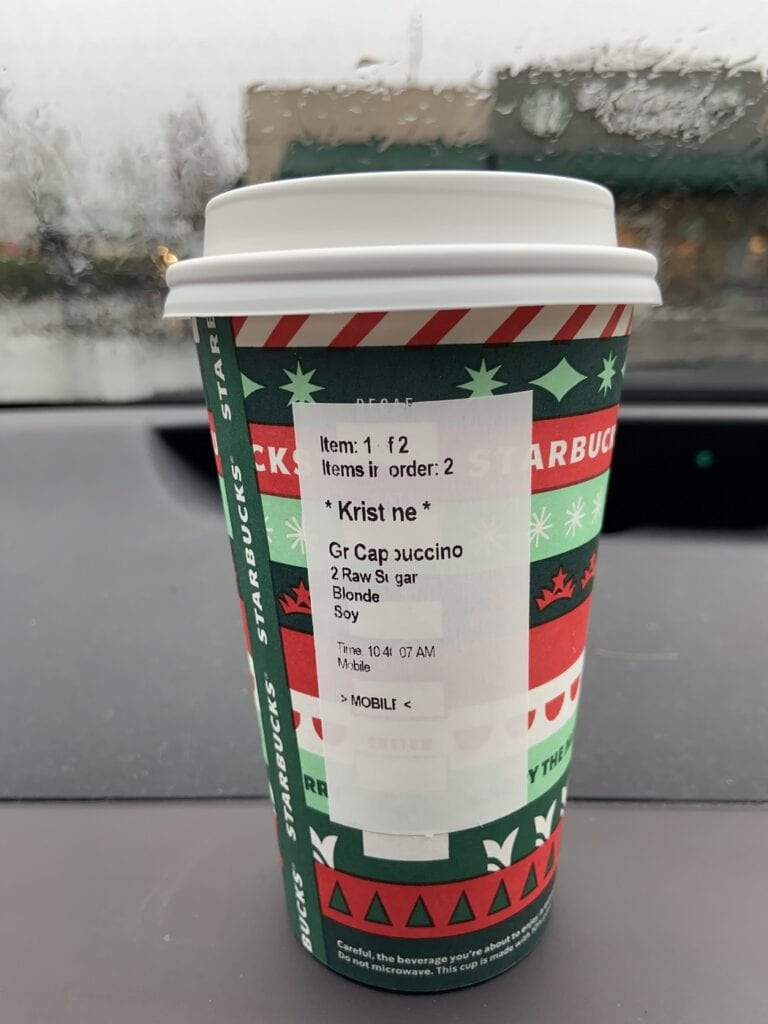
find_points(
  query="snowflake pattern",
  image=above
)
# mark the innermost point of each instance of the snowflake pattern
(574, 516)
(489, 535)
(597, 506)
(294, 532)
(541, 525)
(269, 528)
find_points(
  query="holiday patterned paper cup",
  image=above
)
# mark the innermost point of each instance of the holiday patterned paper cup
(413, 498)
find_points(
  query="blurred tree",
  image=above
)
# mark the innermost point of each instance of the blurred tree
(39, 174)
(141, 210)
(199, 166)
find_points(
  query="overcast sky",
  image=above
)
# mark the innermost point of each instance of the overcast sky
(109, 71)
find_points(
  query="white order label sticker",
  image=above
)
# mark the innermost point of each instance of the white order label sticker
(418, 560)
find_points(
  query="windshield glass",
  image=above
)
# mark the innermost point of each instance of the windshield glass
(117, 127)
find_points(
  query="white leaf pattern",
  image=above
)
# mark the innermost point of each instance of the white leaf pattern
(500, 853)
(543, 825)
(323, 849)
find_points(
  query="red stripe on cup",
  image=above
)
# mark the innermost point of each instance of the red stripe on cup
(215, 444)
(566, 450)
(436, 328)
(572, 448)
(244, 619)
(275, 459)
(237, 324)
(300, 665)
(610, 328)
(514, 325)
(555, 646)
(413, 910)
(285, 330)
(356, 328)
(574, 323)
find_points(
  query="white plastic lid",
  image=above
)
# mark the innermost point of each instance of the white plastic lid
(409, 240)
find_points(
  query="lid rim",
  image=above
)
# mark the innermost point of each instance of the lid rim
(426, 260)
(320, 285)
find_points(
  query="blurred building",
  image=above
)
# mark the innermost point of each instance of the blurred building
(298, 132)
(686, 154)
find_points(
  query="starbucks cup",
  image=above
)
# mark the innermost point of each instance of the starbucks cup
(412, 383)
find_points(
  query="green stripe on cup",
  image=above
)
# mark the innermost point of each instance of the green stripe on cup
(315, 790)
(285, 530)
(221, 379)
(548, 761)
(561, 520)
(566, 378)
(566, 518)
(562, 583)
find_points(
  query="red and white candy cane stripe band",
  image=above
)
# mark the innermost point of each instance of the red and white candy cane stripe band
(425, 328)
